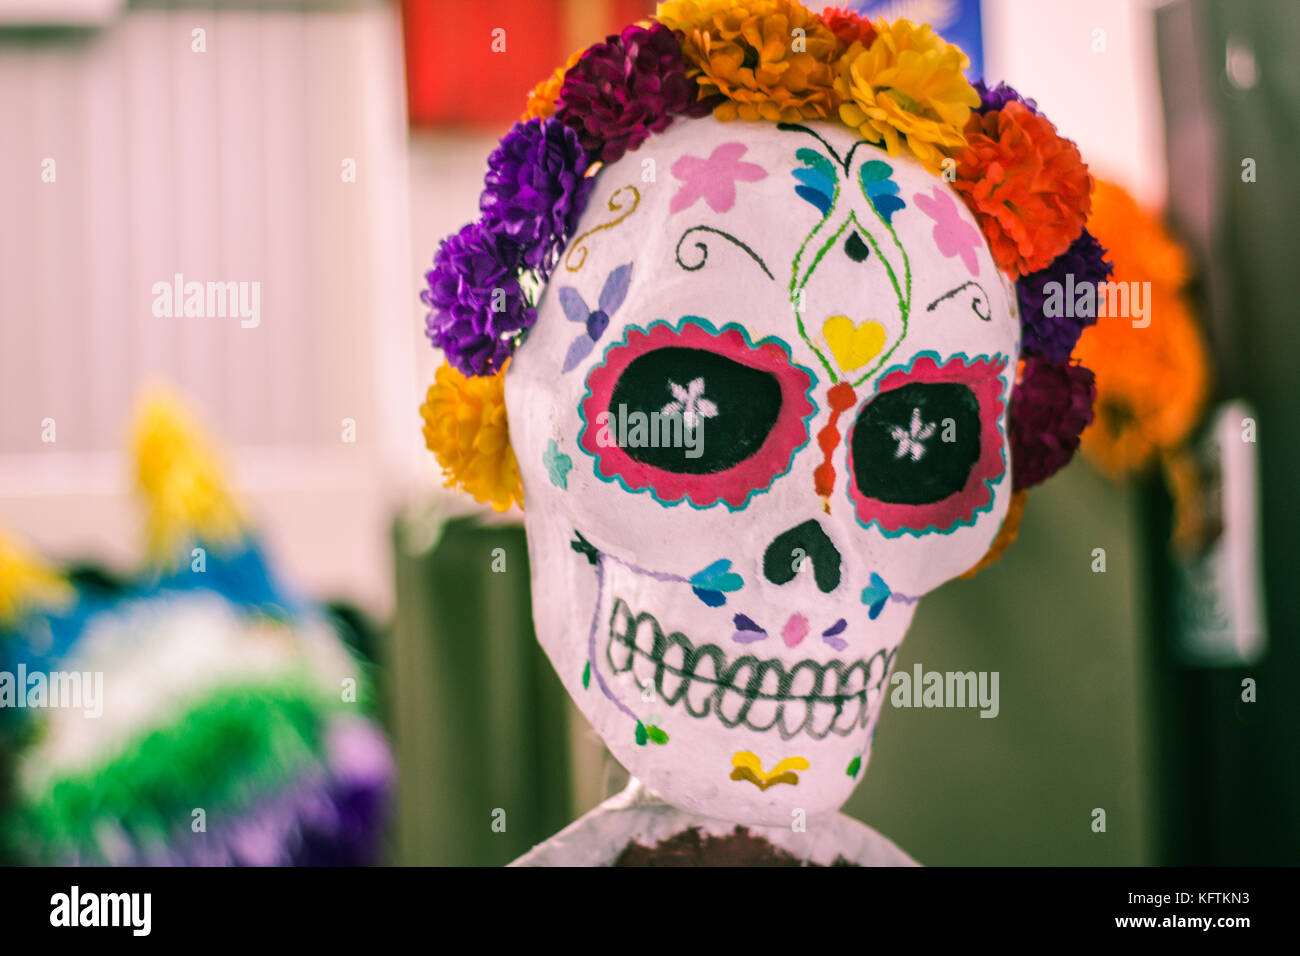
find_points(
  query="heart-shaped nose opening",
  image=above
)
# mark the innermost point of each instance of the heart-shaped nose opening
(804, 542)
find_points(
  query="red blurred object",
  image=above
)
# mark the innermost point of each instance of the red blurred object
(453, 74)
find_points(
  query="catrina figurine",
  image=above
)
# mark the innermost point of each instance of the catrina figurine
(751, 325)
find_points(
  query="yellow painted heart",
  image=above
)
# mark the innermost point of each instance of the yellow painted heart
(853, 345)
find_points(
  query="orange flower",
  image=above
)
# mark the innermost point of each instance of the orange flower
(1027, 185)
(848, 27)
(770, 58)
(907, 86)
(541, 100)
(1152, 381)
(1006, 535)
(465, 427)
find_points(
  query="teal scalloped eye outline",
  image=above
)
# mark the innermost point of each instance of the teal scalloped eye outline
(989, 483)
(713, 331)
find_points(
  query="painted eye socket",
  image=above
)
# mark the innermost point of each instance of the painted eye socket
(693, 412)
(899, 455)
(710, 393)
(926, 450)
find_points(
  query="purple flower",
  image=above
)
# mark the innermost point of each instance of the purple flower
(999, 97)
(626, 88)
(1053, 336)
(536, 188)
(1050, 407)
(477, 306)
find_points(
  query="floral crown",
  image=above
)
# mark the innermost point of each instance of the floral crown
(897, 85)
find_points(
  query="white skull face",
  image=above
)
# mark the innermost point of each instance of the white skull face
(762, 412)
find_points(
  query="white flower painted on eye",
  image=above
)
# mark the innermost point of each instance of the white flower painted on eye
(911, 441)
(689, 402)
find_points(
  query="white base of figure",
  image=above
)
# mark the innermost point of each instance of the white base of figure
(635, 816)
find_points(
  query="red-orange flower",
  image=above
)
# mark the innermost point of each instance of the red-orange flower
(1027, 185)
(848, 26)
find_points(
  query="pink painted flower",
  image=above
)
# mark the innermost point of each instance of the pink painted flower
(952, 234)
(713, 179)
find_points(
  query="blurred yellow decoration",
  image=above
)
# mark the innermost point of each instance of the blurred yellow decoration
(1152, 381)
(465, 427)
(1006, 535)
(182, 481)
(27, 583)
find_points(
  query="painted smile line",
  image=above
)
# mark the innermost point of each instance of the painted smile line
(761, 695)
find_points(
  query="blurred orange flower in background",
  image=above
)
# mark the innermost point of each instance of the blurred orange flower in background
(1152, 382)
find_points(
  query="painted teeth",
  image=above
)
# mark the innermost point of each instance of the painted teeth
(810, 696)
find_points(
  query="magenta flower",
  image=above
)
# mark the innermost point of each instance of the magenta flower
(953, 235)
(713, 179)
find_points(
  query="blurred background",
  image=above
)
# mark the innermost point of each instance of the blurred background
(322, 149)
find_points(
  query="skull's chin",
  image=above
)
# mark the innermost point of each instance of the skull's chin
(753, 724)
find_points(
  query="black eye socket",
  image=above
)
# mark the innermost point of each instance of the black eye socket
(916, 444)
(732, 408)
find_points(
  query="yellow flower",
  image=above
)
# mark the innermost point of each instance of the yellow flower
(541, 100)
(27, 583)
(1006, 535)
(907, 85)
(772, 59)
(465, 427)
(183, 483)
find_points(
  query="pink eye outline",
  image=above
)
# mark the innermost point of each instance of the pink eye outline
(732, 486)
(984, 376)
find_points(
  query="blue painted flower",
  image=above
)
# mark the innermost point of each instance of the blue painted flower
(596, 320)
(816, 178)
(875, 595)
(711, 584)
(881, 190)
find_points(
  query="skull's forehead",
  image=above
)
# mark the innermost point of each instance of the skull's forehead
(772, 229)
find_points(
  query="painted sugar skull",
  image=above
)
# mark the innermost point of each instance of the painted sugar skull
(763, 410)
(769, 378)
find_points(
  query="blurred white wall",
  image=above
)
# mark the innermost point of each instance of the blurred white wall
(1091, 65)
(224, 163)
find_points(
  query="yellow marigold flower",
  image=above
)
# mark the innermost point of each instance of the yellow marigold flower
(541, 100)
(771, 59)
(27, 584)
(1006, 535)
(907, 86)
(465, 427)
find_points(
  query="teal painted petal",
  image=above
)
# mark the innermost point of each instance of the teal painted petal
(810, 157)
(718, 576)
(641, 734)
(558, 465)
(875, 170)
